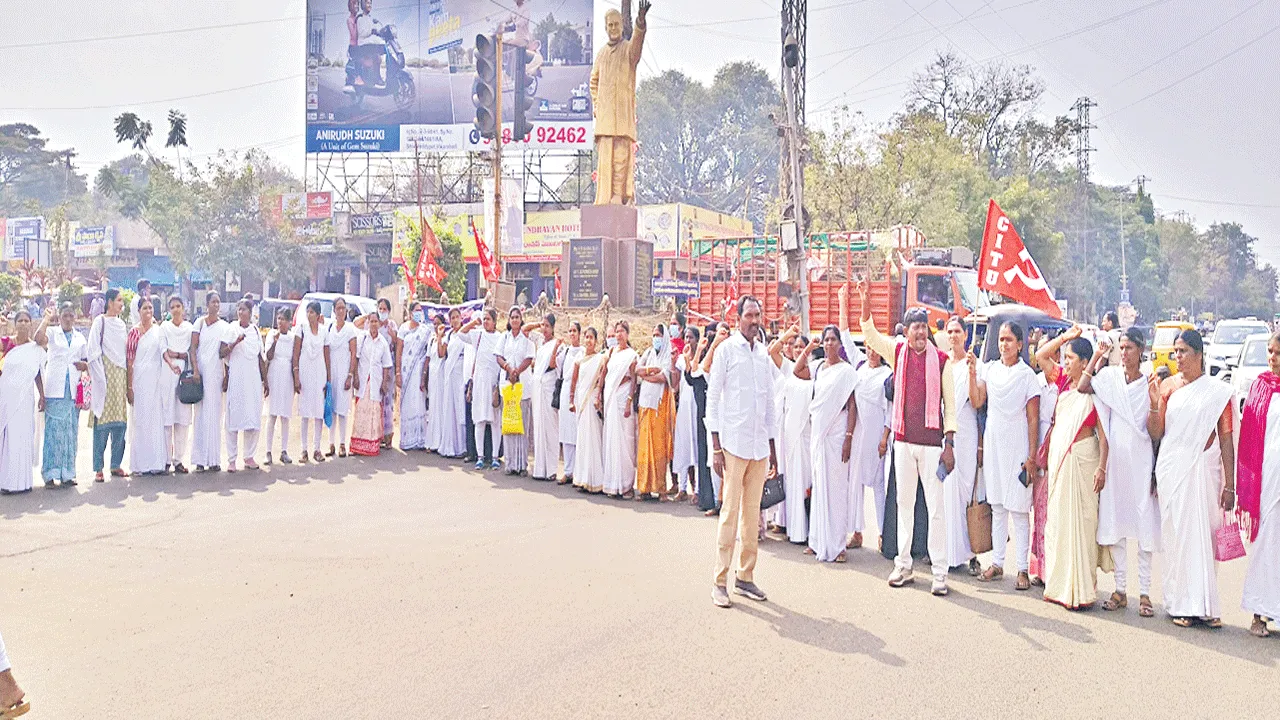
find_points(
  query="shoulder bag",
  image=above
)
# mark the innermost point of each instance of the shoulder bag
(190, 390)
(978, 515)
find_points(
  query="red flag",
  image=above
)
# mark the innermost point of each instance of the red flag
(408, 276)
(424, 257)
(1007, 267)
(431, 274)
(557, 287)
(430, 241)
(488, 265)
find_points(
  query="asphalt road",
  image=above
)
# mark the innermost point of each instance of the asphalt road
(407, 587)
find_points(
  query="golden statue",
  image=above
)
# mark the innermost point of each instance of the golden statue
(613, 103)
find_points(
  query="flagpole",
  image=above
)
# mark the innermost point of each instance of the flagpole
(422, 225)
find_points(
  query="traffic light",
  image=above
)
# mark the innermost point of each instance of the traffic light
(485, 90)
(523, 96)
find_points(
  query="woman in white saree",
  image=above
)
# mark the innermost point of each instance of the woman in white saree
(833, 415)
(412, 377)
(795, 456)
(568, 419)
(177, 416)
(583, 386)
(246, 386)
(453, 391)
(546, 419)
(958, 488)
(871, 444)
(1259, 486)
(206, 346)
(1127, 507)
(147, 366)
(21, 396)
(1191, 418)
(620, 422)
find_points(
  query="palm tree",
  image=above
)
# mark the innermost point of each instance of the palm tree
(132, 129)
(177, 135)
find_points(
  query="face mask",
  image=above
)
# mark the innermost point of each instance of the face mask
(418, 317)
(612, 342)
(383, 316)
(659, 344)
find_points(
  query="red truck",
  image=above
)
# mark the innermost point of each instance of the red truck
(901, 271)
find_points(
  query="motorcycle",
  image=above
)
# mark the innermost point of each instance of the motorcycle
(533, 69)
(398, 84)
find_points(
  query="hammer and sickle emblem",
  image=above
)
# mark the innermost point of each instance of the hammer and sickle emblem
(1033, 283)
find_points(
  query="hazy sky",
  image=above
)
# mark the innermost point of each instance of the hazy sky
(1188, 91)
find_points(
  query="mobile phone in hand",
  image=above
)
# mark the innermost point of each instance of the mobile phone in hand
(942, 472)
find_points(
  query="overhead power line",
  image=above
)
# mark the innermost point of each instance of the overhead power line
(1186, 45)
(158, 102)
(1228, 203)
(150, 33)
(1194, 73)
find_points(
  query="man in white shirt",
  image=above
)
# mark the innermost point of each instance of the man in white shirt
(144, 291)
(740, 416)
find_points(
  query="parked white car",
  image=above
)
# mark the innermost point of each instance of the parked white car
(1251, 363)
(1227, 339)
(356, 305)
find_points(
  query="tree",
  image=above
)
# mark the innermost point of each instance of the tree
(455, 268)
(33, 177)
(10, 292)
(709, 146)
(137, 132)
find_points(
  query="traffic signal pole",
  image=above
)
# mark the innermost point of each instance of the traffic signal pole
(497, 159)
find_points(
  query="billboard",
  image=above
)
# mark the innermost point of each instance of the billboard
(17, 232)
(545, 234)
(672, 227)
(398, 76)
(90, 242)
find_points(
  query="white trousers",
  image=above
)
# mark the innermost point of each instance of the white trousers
(4, 657)
(315, 441)
(284, 434)
(250, 444)
(913, 465)
(340, 426)
(1021, 536)
(176, 438)
(568, 451)
(1120, 556)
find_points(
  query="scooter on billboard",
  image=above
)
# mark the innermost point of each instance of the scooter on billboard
(533, 69)
(398, 84)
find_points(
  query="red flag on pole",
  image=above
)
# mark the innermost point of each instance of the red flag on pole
(1008, 269)
(431, 274)
(430, 241)
(408, 276)
(488, 265)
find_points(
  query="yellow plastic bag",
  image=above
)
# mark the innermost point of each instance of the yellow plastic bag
(512, 419)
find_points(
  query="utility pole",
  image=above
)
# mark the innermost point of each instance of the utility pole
(1083, 125)
(794, 22)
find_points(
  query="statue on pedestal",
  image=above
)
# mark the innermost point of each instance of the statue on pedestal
(613, 103)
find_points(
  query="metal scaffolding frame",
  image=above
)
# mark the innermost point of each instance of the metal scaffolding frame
(374, 182)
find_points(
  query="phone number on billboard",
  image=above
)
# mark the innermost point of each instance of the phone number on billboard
(543, 135)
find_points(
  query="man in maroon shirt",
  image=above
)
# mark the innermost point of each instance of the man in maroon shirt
(924, 426)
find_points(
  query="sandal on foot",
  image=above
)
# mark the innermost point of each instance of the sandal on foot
(854, 543)
(1212, 623)
(809, 551)
(97, 477)
(991, 574)
(975, 567)
(1184, 622)
(842, 557)
(1145, 608)
(118, 473)
(1024, 582)
(1259, 627)
(342, 450)
(1117, 601)
(22, 707)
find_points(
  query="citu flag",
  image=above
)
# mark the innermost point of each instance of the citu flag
(429, 273)
(1008, 269)
(408, 276)
(488, 265)
(430, 241)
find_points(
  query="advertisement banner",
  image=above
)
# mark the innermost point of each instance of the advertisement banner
(18, 232)
(373, 225)
(677, 288)
(545, 234)
(512, 218)
(91, 242)
(399, 76)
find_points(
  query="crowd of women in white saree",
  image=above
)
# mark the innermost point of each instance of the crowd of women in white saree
(1069, 459)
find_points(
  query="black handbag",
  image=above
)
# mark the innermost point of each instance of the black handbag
(190, 390)
(555, 399)
(774, 493)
